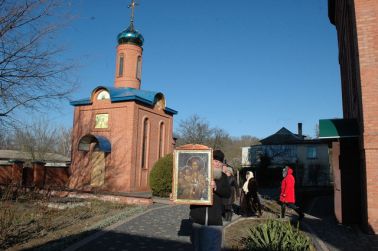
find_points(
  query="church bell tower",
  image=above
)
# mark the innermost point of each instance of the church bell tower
(129, 56)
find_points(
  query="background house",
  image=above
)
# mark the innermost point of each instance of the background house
(310, 159)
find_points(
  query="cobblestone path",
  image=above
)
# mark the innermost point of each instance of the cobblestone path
(161, 228)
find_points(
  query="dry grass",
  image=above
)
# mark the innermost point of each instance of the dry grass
(26, 221)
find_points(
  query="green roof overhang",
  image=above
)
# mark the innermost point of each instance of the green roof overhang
(338, 128)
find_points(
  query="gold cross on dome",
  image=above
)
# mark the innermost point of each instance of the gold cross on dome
(132, 6)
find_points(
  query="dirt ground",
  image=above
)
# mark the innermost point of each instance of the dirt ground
(37, 223)
(234, 233)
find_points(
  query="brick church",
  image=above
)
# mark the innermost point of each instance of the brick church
(120, 131)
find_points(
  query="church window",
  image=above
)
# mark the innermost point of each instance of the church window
(161, 140)
(139, 68)
(120, 65)
(103, 95)
(145, 143)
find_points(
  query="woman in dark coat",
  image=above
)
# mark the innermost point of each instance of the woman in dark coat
(249, 199)
(227, 203)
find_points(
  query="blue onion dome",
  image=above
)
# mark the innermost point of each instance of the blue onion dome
(130, 36)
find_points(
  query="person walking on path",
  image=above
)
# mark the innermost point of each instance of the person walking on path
(249, 199)
(228, 202)
(207, 229)
(287, 196)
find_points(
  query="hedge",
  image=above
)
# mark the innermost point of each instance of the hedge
(161, 176)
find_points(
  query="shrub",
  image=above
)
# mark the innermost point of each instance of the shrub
(276, 235)
(161, 176)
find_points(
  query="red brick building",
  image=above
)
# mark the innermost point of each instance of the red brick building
(356, 22)
(119, 132)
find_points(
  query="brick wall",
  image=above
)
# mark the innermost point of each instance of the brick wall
(56, 177)
(367, 33)
(357, 27)
(5, 174)
(130, 53)
(155, 117)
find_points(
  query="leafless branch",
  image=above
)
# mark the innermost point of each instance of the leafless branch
(31, 76)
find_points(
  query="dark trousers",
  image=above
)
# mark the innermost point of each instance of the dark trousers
(292, 206)
(227, 212)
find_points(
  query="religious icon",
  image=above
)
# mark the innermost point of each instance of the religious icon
(102, 121)
(192, 174)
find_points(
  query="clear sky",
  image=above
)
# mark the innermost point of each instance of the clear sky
(249, 67)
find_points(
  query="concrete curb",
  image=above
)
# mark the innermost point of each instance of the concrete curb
(161, 200)
(90, 238)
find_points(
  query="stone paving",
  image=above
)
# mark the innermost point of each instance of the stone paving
(332, 236)
(329, 235)
(166, 227)
(163, 227)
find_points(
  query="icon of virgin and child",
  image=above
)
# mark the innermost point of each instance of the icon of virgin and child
(193, 182)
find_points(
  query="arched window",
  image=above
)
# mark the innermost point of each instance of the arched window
(139, 68)
(145, 143)
(120, 65)
(161, 140)
(103, 95)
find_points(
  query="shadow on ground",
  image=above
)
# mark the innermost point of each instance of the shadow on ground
(112, 240)
(321, 223)
(185, 228)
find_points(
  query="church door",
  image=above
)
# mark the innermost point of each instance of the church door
(98, 169)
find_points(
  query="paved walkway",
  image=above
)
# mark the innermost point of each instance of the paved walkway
(329, 235)
(163, 227)
(166, 227)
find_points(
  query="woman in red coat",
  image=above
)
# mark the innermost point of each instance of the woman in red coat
(287, 196)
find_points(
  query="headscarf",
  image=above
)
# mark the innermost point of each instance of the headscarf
(229, 169)
(249, 176)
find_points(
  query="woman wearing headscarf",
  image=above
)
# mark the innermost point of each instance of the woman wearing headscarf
(250, 201)
(228, 202)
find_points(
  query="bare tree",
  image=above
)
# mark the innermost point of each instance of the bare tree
(194, 130)
(219, 138)
(248, 140)
(31, 76)
(233, 148)
(37, 140)
(64, 141)
(5, 140)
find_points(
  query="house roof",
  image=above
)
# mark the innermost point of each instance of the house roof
(282, 136)
(25, 156)
(121, 94)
